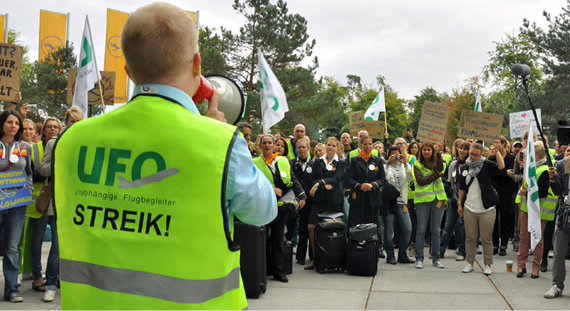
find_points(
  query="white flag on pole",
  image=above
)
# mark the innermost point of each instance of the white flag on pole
(532, 201)
(273, 100)
(478, 106)
(87, 74)
(377, 106)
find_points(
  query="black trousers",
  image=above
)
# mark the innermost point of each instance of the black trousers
(303, 242)
(277, 239)
(548, 235)
(504, 222)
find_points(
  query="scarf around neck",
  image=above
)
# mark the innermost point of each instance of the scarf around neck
(475, 166)
(365, 156)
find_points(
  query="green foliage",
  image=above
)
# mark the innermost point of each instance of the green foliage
(46, 83)
(553, 45)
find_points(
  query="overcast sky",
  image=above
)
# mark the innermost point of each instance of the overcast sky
(413, 43)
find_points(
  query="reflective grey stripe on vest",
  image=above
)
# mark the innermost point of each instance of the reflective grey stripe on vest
(146, 283)
(423, 194)
(36, 158)
(545, 210)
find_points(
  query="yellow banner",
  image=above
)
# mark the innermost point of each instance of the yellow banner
(53, 29)
(193, 16)
(2, 27)
(114, 59)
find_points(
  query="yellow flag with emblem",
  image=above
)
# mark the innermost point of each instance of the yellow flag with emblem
(53, 32)
(114, 59)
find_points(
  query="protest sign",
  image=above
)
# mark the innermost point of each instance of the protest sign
(14, 197)
(433, 122)
(480, 125)
(108, 85)
(10, 71)
(375, 129)
(519, 121)
(356, 120)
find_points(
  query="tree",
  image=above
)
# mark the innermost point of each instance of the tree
(46, 83)
(553, 44)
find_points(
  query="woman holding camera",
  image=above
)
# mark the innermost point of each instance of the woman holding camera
(398, 174)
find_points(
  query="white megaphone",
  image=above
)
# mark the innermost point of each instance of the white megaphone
(230, 101)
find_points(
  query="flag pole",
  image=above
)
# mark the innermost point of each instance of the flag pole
(96, 67)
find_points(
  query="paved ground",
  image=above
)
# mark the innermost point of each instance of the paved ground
(394, 287)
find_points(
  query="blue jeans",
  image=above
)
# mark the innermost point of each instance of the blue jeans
(453, 222)
(13, 222)
(405, 223)
(428, 212)
(52, 269)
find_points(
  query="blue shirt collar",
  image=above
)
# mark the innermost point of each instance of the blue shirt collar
(171, 92)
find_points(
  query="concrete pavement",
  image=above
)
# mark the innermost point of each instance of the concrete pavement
(394, 287)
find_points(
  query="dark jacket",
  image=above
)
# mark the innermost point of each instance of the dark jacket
(390, 200)
(303, 176)
(502, 182)
(364, 205)
(322, 176)
(297, 188)
(489, 171)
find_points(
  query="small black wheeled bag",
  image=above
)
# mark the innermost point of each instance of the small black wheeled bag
(362, 250)
(330, 242)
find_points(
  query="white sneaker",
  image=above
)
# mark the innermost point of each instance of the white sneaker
(550, 254)
(487, 270)
(553, 292)
(468, 268)
(49, 296)
(459, 258)
(419, 264)
(438, 264)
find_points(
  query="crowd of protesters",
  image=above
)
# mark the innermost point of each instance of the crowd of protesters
(467, 197)
(27, 145)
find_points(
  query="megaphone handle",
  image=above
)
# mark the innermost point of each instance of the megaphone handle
(213, 111)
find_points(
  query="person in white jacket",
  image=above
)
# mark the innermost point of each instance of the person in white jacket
(398, 174)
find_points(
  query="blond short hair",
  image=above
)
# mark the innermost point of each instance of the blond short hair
(539, 150)
(158, 42)
(73, 112)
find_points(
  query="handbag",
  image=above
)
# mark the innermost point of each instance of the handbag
(43, 200)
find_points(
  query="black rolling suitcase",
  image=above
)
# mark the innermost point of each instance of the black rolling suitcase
(362, 250)
(330, 242)
(252, 242)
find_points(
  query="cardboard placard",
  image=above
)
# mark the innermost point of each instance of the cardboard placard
(518, 122)
(356, 120)
(10, 71)
(375, 129)
(108, 84)
(433, 122)
(480, 125)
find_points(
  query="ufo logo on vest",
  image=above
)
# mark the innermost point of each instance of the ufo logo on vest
(117, 161)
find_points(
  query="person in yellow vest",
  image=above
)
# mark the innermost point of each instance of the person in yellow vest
(287, 190)
(430, 200)
(476, 203)
(26, 240)
(72, 115)
(51, 129)
(548, 197)
(298, 133)
(145, 212)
